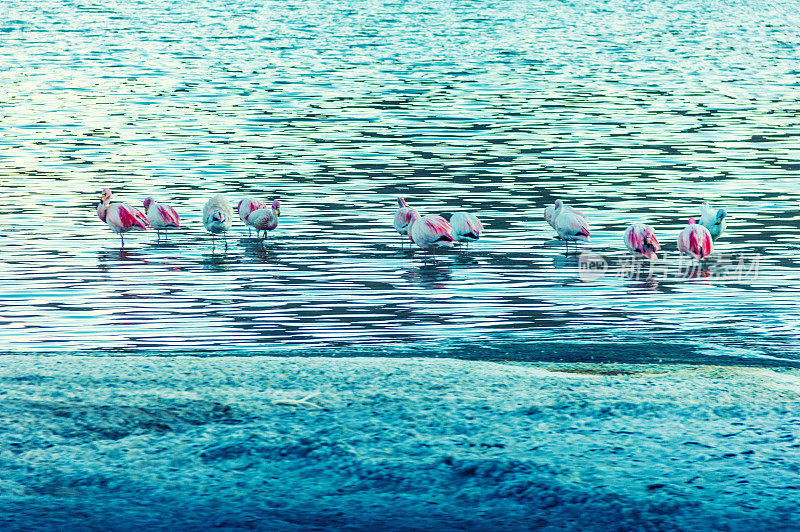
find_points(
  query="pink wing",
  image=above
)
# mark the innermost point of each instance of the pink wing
(696, 241)
(577, 225)
(654, 243)
(131, 218)
(705, 243)
(635, 240)
(169, 216)
(440, 228)
(475, 226)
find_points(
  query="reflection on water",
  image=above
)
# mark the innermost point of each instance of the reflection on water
(336, 108)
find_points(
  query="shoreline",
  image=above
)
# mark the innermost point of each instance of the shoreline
(271, 443)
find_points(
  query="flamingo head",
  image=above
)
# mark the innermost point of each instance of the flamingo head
(558, 204)
(106, 195)
(276, 206)
(692, 221)
(401, 202)
(147, 202)
(651, 245)
(721, 214)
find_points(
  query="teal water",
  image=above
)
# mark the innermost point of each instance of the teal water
(627, 110)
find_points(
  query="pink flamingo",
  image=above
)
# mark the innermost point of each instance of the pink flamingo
(246, 206)
(266, 218)
(120, 217)
(466, 227)
(695, 240)
(431, 232)
(570, 225)
(161, 216)
(640, 239)
(403, 217)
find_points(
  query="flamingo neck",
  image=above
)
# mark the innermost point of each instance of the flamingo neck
(408, 228)
(102, 209)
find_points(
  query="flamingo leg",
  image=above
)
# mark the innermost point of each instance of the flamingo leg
(122, 240)
(225, 239)
(166, 234)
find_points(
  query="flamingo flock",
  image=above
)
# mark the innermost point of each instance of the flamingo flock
(695, 240)
(429, 232)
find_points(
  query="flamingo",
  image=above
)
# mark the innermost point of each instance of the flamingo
(550, 211)
(570, 225)
(120, 217)
(161, 216)
(641, 240)
(713, 219)
(266, 218)
(695, 240)
(431, 232)
(218, 216)
(403, 216)
(246, 206)
(466, 227)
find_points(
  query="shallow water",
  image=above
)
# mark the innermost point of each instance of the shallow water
(627, 110)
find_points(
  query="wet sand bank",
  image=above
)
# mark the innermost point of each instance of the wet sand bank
(264, 443)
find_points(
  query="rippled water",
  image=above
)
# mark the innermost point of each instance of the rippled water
(627, 110)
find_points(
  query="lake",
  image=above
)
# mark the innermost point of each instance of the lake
(626, 110)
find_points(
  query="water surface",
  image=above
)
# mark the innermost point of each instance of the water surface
(627, 110)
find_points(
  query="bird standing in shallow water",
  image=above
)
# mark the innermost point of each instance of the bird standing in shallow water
(695, 240)
(161, 216)
(713, 219)
(266, 218)
(217, 217)
(403, 216)
(431, 232)
(570, 225)
(640, 239)
(550, 213)
(120, 217)
(245, 207)
(466, 227)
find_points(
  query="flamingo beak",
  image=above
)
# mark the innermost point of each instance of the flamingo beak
(647, 240)
(278, 211)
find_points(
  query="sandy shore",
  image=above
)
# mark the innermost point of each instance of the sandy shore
(229, 443)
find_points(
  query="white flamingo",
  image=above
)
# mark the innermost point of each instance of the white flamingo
(550, 213)
(466, 227)
(217, 217)
(713, 219)
(570, 225)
